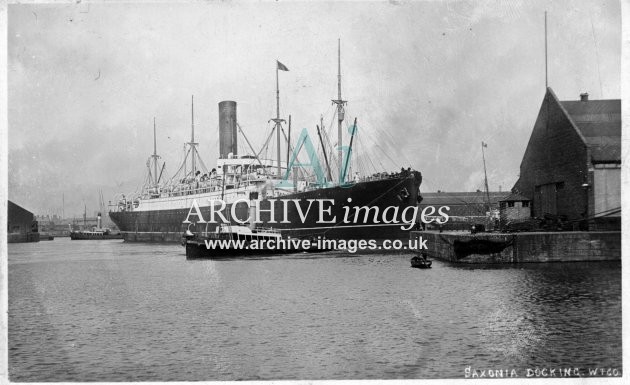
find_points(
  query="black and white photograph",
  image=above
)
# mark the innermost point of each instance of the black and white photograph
(312, 191)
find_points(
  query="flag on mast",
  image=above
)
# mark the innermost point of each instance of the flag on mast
(483, 144)
(281, 66)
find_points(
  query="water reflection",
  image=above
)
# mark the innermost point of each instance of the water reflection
(113, 311)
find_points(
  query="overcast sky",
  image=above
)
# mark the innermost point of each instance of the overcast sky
(428, 81)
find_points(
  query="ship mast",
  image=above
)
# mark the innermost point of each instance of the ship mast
(155, 156)
(192, 143)
(277, 120)
(340, 111)
(546, 76)
(485, 173)
(195, 159)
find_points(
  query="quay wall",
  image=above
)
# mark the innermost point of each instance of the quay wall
(574, 246)
(152, 237)
(22, 237)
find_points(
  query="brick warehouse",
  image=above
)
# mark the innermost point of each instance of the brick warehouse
(572, 163)
(21, 224)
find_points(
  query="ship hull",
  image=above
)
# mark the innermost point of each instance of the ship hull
(77, 235)
(398, 192)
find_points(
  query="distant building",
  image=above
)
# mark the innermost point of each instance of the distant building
(514, 207)
(466, 208)
(21, 224)
(572, 164)
(463, 203)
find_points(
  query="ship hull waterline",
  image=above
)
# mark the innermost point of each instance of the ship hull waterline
(93, 237)
(401, 192)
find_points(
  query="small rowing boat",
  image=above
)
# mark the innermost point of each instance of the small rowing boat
(421, 262)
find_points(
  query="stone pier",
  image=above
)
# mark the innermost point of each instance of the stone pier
(574, 246)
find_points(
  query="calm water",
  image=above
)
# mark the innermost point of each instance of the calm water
(107, 310)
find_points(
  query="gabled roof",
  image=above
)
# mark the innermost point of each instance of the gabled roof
(514, 197)
(14, 208)
(599, 122)
(459, 198)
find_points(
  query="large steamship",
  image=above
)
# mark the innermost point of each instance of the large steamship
(286, 193)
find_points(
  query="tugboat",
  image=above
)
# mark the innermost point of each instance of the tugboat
(228, 241)
(421, 262)
(97, 232)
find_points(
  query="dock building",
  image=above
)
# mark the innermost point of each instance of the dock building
(466, 208)
(21, 224)
(572, 163)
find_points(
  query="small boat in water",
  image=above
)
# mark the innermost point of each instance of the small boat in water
(97, 232)
(421, 262)
(94, 234)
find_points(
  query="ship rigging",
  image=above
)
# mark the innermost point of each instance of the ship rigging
(163, 203)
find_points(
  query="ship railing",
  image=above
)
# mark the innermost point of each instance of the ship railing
(385, 175)
(188, 189)
(374, 177)
(127, 204)
(131, 204)
(184, 192)
(267, 230)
